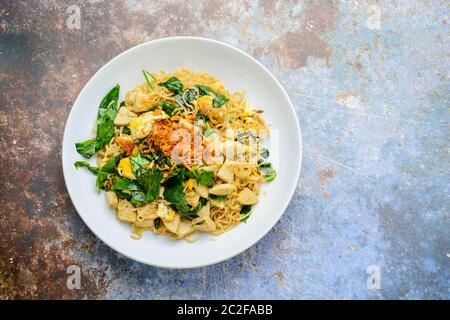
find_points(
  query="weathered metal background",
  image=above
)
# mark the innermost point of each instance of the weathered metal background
(369, 81)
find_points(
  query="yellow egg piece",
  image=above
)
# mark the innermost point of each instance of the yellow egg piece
(141, 126)
(205, 102)
(190, 184)
(124, 168)
(135, 123)
(171, 215)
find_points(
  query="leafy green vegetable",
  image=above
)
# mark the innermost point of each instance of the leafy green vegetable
(139, 164)
(205, 177)
(167, 107)
(203, 117)
(137, 196)
(269, 172)
(173, 193)
(173, 84)
(179, 100)
(106, 171)
(105, 125)
(105, 119)
(219, 99)
(264, 153)
(148, 180)
(246, 211)
(160, 159)
(189, 96)
(119, 185)
(173, 189)
(111, 100)
(85, 164)
(147, 79)
(130, 190)
(103, 173)
(86, 148)
(126, 130)
(202, 176)
(209, 131)
(217, 198)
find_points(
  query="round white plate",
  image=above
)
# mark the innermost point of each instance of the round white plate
(238, 71)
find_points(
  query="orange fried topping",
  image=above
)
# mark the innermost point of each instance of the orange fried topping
(125, 144)
(175, 140)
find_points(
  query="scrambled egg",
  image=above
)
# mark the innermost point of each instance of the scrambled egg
(190, 184)
(124, 168)
(205, 102)
(141, 126)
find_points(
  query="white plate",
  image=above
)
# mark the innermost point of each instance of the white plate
(238, 71)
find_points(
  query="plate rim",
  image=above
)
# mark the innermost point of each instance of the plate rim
(297, 169)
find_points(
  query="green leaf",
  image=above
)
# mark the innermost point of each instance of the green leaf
(173, 188)
(189, 96)
(111, 100)
(105, 119)
(148, 180)
(105, 128)
(160, 158)
(147, 79)
(167, 107)
(139, 164)
(85, 164)
(173, 193)
(202, 176)
(137, 197)
(203, 117)
(120, 185)
(110, 166)
(217, 198)
(173, 84)
(205, 177)
(135, 193)
(105, 125)
(106, 171)
(219, 99)
(126, 130)
(246, 211)
(209, 131)
(269, 172)
(86, 148)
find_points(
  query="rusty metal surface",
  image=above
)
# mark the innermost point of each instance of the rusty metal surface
(369, 81)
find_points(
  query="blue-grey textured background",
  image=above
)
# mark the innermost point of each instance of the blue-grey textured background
(369, 82)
